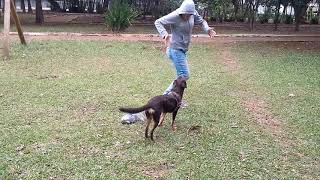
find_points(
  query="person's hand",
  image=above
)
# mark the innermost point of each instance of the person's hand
(166, 40)
(211, 33)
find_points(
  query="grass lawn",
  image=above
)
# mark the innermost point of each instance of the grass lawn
(59, 112)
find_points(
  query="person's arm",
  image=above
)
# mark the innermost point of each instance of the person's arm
(165, 20)
(198, 20)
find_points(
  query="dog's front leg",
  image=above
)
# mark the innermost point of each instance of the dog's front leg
(173, 124)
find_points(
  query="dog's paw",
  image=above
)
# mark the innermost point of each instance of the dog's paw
(174, 127)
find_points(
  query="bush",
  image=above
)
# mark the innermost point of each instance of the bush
(120, 16)
(229, 18)
(240, 18)
(314, 20)
(264, 18)
(288, 19)
(213, 19)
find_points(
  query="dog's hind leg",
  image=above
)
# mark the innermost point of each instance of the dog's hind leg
(149, 117)
(156, 120)
(146, 134)
(173, 124)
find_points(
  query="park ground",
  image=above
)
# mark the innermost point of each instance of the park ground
(253, 109)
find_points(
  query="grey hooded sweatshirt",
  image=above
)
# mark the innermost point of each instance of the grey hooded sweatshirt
(181, 30)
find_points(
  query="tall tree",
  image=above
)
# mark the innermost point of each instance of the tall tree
(29, 7)
(39, 12)
(156, 11)
(276, 21)
(300, 7)
(253, 9)
(236, 5)
(318, 2)
(54, 6)
(285, 4)
(23, 6)
(105, 4)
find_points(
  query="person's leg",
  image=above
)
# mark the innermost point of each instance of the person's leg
(133, 118)
(180, 62)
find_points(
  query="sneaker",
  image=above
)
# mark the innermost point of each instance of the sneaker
(133, 118)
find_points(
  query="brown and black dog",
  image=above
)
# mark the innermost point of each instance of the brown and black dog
(158, 106)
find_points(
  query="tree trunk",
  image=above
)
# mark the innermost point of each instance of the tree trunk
(236, 9)
(39, 12)
(29, 7)
(284, 10)
(105, 4)
(64, 6)
(253, 8)
(145, 4)
(156, 9)
(224, 11)
(303, 12)
(23, 6)
(297, 15)
(55, 6)
(251, 16)
(300, 8)
(277, 16)
(247, 11)
(318, 2)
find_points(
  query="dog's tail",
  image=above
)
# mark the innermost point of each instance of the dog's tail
(134, 110)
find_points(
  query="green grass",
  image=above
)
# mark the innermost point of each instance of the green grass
(289, 80)
(59, 114)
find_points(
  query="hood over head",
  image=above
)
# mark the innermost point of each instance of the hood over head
(187, 7)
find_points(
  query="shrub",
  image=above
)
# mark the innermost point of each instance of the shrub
(264, 18)
(120, 16)
(288, 19)
(240, 18)
(314, 20)
(213, 19)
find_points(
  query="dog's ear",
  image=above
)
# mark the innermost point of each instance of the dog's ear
(175, 82)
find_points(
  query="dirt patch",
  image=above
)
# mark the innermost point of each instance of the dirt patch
(158, 171)
(199, 38)
(227, 59)
(256, 107)
(55, 18)
(83, 111)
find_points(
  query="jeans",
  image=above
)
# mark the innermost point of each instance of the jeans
(180, 62)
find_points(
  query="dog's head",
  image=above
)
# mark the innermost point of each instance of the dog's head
(179, 85)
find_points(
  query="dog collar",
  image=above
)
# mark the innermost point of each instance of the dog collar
(176, 97)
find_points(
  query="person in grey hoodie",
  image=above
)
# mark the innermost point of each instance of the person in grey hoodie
(181, 23)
